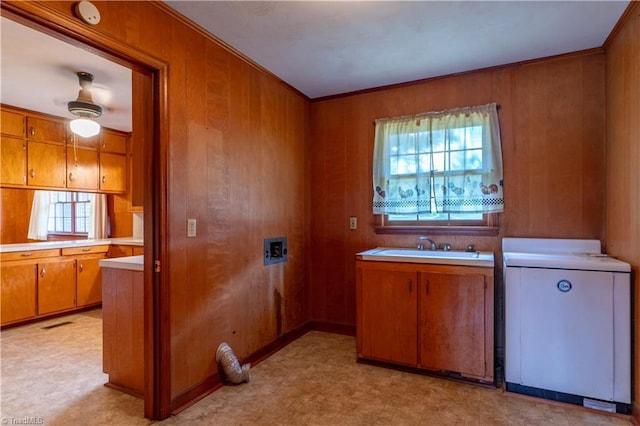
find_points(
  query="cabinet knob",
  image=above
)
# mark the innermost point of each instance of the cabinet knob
(32, 173)
(32, 131)
(104, 179)
(81, 267)
(43, 272)
(71, 177)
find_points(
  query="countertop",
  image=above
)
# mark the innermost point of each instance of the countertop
(132, 263)
(8, 248)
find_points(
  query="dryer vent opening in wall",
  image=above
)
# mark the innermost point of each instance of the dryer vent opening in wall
(275, 250)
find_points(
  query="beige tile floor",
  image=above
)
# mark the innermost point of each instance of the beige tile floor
(55, 377)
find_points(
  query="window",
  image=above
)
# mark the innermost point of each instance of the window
(436, 169)
(69, 213)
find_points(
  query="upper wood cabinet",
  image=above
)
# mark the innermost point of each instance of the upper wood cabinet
(39, 151)
(83, 170)
(46, 163)
(111, 141)
(45, 129)
(12, 123)
(13, 161)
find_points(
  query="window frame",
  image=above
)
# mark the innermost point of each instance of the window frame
(489, 225)
(74, 233)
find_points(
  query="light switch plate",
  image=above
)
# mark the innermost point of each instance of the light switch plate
(353, 222)
(191, 227)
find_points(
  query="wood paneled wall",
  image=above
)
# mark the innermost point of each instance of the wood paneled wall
(552, 123)
(238, 162)
(623, 162)
(15, 212)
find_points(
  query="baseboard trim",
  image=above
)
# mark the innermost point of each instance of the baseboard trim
(187, 398)
(335, 328)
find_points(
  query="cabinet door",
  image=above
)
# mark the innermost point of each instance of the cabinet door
(82, 168)
(46, 163)
(113, 142)
(56, 286)
(113, 172)
(42, 129)
(89, 281)
(18, 292)
(13, 158)
(452, 323)
(12, 123)
(388, 316)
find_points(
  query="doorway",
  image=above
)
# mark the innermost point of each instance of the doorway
(148, 101)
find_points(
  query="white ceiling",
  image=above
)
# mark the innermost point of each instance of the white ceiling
(39, 73)
(330, 47)
(321, 48)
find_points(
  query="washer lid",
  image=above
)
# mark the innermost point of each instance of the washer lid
(580, 261)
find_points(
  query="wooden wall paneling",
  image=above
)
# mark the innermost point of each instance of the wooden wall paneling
(623, 156)
(15, 213)
(536, 100)
(319, 193)
(181, 328)
(201, 363)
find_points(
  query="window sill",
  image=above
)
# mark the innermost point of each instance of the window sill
(481, 231)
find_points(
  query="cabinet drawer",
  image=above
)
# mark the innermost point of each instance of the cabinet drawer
(28, 255)
(85, 250)
(120, 251)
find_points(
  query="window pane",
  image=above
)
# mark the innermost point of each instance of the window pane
(473, 159)
(67, 224)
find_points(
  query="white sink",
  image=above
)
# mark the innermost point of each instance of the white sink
(411, 255)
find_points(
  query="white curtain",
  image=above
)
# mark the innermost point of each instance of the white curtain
(39, 221)
(98, 203)
(448, 161)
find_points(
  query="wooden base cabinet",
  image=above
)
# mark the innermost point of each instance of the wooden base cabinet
(432, 317)
(56, 286)
(41, 283)
(388, 327)
(19, 283)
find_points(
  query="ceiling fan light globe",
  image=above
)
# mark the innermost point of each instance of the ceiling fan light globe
(84, 127)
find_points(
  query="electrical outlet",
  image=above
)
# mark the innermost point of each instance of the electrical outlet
(191, 227)
(353, 222)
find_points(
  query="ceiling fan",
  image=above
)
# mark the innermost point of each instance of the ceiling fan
(84, 108)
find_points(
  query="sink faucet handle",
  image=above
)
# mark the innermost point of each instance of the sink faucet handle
(432, 243)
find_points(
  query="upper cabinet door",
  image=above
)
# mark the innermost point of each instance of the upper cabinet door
(13, 161)
(113, 142)
(41, 129)
(47, 165)
(12, 123)
(83, 171)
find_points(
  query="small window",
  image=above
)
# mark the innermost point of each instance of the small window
(438, 169)
(69, 213)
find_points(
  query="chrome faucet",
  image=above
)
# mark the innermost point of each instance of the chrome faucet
(433, 245)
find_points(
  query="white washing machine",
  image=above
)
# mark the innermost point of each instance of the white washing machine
(567, 323)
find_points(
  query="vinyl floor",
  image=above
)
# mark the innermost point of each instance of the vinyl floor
(53, 376)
